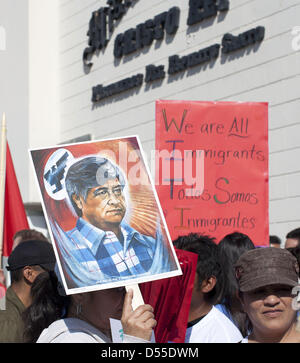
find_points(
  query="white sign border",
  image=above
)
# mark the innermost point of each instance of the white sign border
(137, 280)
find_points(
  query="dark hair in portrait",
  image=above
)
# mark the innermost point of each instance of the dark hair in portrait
(88, 173)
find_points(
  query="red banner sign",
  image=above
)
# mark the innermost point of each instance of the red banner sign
(212, 168)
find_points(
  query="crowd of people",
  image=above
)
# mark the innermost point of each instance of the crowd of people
(241, 294)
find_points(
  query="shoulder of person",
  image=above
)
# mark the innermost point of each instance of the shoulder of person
(11, 328)
(222, 326)
(72, 330)
(217, 316)
(12, 314)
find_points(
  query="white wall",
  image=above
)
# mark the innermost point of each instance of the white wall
(14, 83)
(270, 72)
(44, 122)
(29, 87)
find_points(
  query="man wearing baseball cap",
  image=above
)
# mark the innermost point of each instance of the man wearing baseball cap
(266, 277)
(26, 262)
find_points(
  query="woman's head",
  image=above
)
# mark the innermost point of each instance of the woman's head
(233, 245)
(97, 307)
(266, 277)
(47, 305)
(269, 309)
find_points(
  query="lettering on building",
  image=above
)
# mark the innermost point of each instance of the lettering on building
(104, 21)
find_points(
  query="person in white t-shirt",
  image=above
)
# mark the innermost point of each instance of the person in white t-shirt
(83, 317)
(214, 327)
(206, 324)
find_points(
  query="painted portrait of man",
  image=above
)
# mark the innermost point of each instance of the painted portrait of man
(102, 247)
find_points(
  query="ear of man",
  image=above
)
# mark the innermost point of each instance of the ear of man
(31, 272)
(208, 284)
(77, 201)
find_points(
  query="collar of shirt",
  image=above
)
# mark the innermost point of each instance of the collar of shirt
(194, 322)
(95, 236)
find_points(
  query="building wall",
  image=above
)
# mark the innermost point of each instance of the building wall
(44, 122)
(269, 72)
(14, 83)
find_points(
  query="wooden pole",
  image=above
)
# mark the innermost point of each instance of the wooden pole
(2, 181)
(137, 299)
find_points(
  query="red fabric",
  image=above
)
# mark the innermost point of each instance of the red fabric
(171, 299)
(14, 212)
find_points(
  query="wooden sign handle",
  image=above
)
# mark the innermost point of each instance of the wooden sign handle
(137, 296)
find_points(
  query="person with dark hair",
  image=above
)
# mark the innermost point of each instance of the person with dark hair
(231, 247)
(27, 235)
(21, 236)
(206, 323)
(25, 263)
(54, 317)
(292, 238)
(266, 277)
(47, 306)
(275, 241)
(296, 252)
(102, 247)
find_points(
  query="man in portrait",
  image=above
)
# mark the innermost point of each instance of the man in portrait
(102, 247)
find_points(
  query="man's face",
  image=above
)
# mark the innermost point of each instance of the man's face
(291, 243)
(104, 206)
(99, 306)
(275, 245)
(270, 309)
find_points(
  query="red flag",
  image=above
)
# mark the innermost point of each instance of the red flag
(171, 299)
(14, 212)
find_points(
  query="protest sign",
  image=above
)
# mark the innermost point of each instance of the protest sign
(103, 215)
(212, 167)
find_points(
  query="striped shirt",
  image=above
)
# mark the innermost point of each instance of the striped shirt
(102, 251)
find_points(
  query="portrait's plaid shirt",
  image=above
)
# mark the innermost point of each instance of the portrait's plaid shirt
(102, 251)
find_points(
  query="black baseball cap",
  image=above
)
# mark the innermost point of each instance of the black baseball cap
(31, 253)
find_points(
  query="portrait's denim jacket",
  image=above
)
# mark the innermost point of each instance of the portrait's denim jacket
(91, 256)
